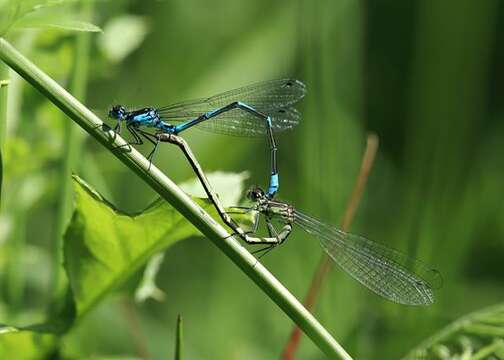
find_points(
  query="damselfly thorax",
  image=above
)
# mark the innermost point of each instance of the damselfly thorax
(278, 209)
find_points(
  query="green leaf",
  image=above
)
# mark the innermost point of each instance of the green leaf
(103, 247)
(42, 14)
(57, 20)
(122, 35)
(478, 335)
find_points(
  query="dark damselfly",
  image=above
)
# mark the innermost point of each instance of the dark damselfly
(386, 271)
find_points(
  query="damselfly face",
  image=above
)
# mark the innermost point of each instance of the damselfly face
(256, 194)
(117, 112)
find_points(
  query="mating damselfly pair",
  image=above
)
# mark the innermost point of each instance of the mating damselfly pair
(261, 110)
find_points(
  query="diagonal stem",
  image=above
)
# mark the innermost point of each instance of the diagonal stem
(325, 263)
(169, 191)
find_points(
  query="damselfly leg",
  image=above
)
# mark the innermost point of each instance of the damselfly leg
(273, 233)
(186, 150)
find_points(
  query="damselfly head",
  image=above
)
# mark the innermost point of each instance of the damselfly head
(255, 193)
(117, 112)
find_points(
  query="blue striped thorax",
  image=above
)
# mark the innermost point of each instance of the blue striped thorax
(146, 117)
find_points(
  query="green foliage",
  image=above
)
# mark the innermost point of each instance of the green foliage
(58, 14)
(104, 247)
(479, 335)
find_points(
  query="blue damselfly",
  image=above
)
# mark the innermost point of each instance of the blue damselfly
(255, 110)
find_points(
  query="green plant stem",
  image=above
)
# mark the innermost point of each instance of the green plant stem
(169, 191)
(71, 147)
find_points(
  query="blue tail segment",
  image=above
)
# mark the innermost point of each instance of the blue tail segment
(274, 185)
(185, 125)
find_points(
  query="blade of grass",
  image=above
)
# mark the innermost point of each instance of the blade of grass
(169, 191)
(325, 263)
(178, 339)
(71, 147)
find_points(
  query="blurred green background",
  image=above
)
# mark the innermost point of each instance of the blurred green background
(425, 76)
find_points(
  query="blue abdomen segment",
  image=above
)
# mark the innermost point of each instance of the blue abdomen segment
(274, 185)
(185, 125)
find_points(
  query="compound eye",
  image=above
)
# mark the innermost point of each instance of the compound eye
(117, 112)
(258, 193)
(255, 194)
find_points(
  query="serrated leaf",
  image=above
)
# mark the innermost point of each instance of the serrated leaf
(103, 246)
(122, 35)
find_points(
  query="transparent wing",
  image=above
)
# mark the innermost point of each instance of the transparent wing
(273, 98)
(387, 272)
(241, 123)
